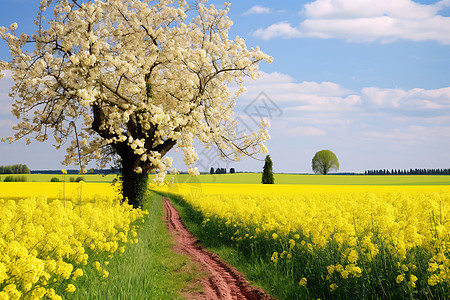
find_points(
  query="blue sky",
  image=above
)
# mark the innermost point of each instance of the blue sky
(368, 79)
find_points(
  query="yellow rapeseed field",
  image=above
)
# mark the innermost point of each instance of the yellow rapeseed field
(45, 243)
(56, 190)
(394, 236)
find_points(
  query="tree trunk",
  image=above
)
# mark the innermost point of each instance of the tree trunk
(134, 186)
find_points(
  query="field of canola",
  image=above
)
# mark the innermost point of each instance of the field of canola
(340, 242)
(47, 242)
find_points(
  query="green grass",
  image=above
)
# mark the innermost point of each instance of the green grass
(147, 270)
(255, 178)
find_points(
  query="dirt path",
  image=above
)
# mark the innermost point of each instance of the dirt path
(222, 281)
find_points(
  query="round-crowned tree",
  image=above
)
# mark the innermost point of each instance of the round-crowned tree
(126, 81)
(324, 161)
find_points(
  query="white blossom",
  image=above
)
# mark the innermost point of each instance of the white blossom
(13, 26)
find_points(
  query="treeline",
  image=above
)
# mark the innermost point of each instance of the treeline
(14, 169)
(409, 172)
(221, 171)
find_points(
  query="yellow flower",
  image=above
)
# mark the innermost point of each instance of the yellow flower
(303, 281)
(330, 269)
(353, 256)
(433, 280)
(274, 257)
(70, 288)
(47, 238)
(291, 244)
(64, 171)
(400, 215)
(412, 280)
(344, 274)
(97, 266)
(333, 286)
(77, 273)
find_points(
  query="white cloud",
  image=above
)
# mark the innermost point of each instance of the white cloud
(303, 131)
(307, 96)
(328, 104)
(350, 9)
(367, 21)
(288, 89)
(420, 101)
(282, 30)
(409, 135)
(257, 9)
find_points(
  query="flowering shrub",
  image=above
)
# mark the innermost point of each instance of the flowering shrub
(347, 242)
(45, 245)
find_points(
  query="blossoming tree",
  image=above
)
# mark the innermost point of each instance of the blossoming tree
(129, 80)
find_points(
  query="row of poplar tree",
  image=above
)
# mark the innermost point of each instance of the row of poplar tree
(409, 172)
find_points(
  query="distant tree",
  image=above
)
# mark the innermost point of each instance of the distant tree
(211, 171)
(14, 169)
(79, 178)
(54, 179)
(323, 161)
(221, 171)
(9, 179)
(267, 176)
(232, 171)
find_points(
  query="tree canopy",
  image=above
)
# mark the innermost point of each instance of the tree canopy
(324, 161)
(15, 169)
(127, 81)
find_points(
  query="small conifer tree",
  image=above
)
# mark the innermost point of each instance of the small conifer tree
(267, 176)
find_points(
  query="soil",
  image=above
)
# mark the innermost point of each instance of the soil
(222, 281)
